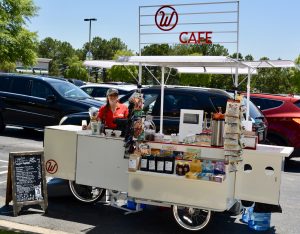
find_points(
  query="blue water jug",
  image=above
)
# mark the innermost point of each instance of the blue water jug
(260, 221)
(132, 205)
(247, 212)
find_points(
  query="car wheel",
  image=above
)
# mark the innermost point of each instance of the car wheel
(85, 193)
(191, 219)
(2, 125)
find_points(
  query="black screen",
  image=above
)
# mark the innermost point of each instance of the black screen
(191, 118)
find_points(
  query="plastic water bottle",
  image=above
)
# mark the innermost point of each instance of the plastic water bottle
(247, 213)
(133, 206)
(260, 221)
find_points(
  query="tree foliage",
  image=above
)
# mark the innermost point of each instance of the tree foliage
(295, 75)
(77, 71)
(63, 63)
(120, 73)
(182, 79)
(103, 49)
(60, 53)
(274, 80)
(16, 42)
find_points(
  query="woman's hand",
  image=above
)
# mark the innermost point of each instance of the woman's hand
(86, 127)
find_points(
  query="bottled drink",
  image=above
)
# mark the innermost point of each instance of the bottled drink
(260, 221)
(247, 213)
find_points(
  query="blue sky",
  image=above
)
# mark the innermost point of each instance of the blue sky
(267, 27)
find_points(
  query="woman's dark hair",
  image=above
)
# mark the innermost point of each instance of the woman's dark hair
(107, 103)
(107, 106)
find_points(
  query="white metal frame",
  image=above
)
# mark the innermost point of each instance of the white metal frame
(229, 15)
(208, 64)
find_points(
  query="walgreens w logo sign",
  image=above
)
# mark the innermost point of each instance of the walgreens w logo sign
(166, 18)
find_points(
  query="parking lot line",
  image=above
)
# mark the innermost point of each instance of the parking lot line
(2, 182)
(3, 172)
(3, 161)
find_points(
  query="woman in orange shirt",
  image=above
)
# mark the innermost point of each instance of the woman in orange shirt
(112, 110)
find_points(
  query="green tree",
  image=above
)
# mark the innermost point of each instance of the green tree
(59, 52)
(77, 70)
(209, 50)
(249, 57)
(273, 80)
(16, 42)
(182, 79)
(121, 73)
(295, 75)
(48, 48)
(240, 56)
(156, 49)
(149, 73)
(103, 49)
(204, 80)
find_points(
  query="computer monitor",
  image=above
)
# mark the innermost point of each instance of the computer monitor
(190, 122)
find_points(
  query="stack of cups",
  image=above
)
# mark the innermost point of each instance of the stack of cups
(84, 124)
(95, 128)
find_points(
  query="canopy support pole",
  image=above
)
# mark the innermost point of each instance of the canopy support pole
(162, 94)
(140, 73)
(248, 94)
(152, 75)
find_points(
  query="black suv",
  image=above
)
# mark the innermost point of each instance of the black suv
(35, 101)
(179, 97)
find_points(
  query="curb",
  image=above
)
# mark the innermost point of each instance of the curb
(11, 226)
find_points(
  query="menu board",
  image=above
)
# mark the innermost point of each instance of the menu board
(27, 180)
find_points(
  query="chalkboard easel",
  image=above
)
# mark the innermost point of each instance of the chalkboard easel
(26, 181)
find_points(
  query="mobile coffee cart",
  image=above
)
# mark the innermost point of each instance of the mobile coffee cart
(99, 162)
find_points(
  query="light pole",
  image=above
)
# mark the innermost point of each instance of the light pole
(89, 55)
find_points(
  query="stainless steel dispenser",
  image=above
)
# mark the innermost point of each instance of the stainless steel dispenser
(217, 129)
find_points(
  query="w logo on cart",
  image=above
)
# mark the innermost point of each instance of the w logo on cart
(51, 166)
(166, 18)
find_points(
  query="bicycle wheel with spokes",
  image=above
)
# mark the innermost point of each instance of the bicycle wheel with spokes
(190, 218)
(85, 193)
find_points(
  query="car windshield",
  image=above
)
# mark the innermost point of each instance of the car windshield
(254, 112)
(69, 90)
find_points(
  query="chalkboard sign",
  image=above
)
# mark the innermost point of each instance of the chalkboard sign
(26, 182)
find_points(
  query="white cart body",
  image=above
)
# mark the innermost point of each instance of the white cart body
(99, 161)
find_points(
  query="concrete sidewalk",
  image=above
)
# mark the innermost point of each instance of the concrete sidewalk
(24, 228)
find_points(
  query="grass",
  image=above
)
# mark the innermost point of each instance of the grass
(8, 232)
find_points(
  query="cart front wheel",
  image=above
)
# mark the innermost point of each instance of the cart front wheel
(191, 218)
(85, 193)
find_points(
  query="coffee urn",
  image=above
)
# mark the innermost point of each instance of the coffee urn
(217, 128)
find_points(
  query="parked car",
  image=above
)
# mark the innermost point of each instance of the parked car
(283, 115)
(176, 98)
(36, 101)
(76, 82)
(98, 91)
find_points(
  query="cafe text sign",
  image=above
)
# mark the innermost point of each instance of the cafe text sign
(166, 19)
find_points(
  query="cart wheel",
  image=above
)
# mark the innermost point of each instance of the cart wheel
(190, 218)
(85, 193)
